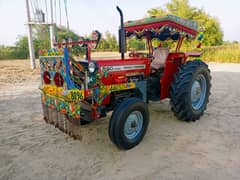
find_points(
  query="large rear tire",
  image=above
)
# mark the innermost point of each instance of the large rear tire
(129, 123)
(190, 90)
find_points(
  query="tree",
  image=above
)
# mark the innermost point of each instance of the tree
(41, 41)
(213, 34)
(22, 50)
(108, 42)
(41, 36)
(112, 40)
(8, 52)
(136, 44)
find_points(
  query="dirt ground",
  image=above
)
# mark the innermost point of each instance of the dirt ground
(171, 149)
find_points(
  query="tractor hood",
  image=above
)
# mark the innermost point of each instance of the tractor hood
(120, 71)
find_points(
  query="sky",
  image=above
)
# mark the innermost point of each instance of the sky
(88, 15)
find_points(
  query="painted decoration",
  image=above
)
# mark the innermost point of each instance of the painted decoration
(185, 22)
(162, 28)
(62, 92)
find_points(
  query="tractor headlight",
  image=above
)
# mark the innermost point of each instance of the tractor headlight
(91, 67)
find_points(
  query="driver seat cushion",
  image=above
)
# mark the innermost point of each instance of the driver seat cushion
(160, 56)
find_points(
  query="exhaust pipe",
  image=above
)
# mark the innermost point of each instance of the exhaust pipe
(122, 40)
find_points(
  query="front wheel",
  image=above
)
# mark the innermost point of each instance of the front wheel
(129, 123)
(190, 90)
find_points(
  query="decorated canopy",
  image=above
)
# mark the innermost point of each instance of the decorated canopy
(162, 28)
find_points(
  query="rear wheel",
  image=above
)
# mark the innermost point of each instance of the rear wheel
(190, 90)
(129, 123)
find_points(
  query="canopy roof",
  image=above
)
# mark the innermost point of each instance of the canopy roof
(161, 27)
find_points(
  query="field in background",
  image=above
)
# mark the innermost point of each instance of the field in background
(228, 54)
(106, 55)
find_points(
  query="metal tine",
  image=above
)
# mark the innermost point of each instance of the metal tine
(58, 119)
(60, 122)
(70, 126)
(70, 133)
(57, 125)
(65, 124)
(69, 129)
(45, 113)
(51, 116)
(76, 129)
(55, 117)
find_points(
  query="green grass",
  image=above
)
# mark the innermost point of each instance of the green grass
(227, 54)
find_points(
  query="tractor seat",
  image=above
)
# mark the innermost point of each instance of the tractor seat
(160, 56)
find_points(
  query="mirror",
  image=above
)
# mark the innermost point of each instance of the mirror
(96, 36)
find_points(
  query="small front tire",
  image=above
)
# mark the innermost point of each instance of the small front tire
(129, 123)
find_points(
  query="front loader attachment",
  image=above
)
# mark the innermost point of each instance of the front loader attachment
(60, 96)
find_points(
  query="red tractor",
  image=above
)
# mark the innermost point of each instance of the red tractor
(76, 92)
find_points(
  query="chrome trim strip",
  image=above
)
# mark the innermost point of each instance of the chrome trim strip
(123, 68)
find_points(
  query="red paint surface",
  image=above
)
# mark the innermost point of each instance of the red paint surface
(58, 80)
(107, 100)
(173, 63)
(46, 77)
(117, 77)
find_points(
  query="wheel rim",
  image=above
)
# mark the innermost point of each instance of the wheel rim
(198, 92)
(133, 125)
